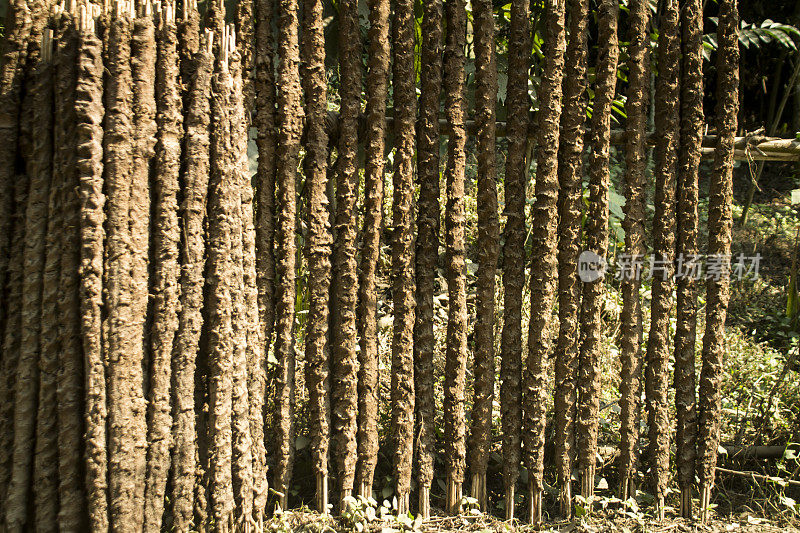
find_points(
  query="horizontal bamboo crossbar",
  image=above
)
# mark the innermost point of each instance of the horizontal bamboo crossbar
(746, 148)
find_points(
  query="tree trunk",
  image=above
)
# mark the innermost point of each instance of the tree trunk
(570, 172)
(597, 242)
(402, 383)
(89, 115)
(166, 242)
(455, 253)
(318, 248)
(691, 139)
(290, 116)
(374, 175)
(344, 365)
(543, 257)
(630, 337)
(719, 246)
(488, 247)
(514, 247)
(667, 129)
(193, 261)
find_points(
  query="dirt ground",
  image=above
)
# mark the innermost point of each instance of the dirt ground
(303, 521)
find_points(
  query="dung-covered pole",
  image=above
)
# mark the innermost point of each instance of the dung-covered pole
(514, 248)
(720, 222)
(318, 247)
(667, 126)
(597, 243)
(290, 116)
(344, 362)
(570, 172)
(630, 340)
(488, 248)
(402, 382)
(690, 145)
(543, 257)
(427, 248)
(374, 176)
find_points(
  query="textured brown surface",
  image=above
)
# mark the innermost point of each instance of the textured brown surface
(320, 239)
(374, 176)
(596, 241)
(402, 383)
(691, 138)
(89, 114)
(22, 396)
(514, 242)
(455, 266)
(488, 242)
(190, 318)
(570, 170)
(143, 59)
(264, 182)
(14, 48)
(11, 351)
(543, 255)
(657, 358)
(40, 291)
(164, 283)
(71, 381)
(245, 22)
(344, 362)
(720, 222)
(630, 337)
(427, 245)
(118, 332)
(265, 176)
(290, 116)
(223, 206)
(242, 438)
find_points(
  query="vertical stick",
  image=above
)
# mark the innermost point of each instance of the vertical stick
(290, 114)
(223, 206)
(543, 256)
(143, 59)
(344, 365)
(691, 138)
(720, 222)
(666, 155)
(488, 247)
(320, 241)
(40, 289)
(266, 141)
(90, 113)
(165, 284)
(570, 172)
(190, 318)
(514, 247)
(374, 176)
(633, 223)
(120, 332)
(402, 383)
(456, 350)
(597, 242)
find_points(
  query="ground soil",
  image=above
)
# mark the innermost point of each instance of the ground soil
(604, 522)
